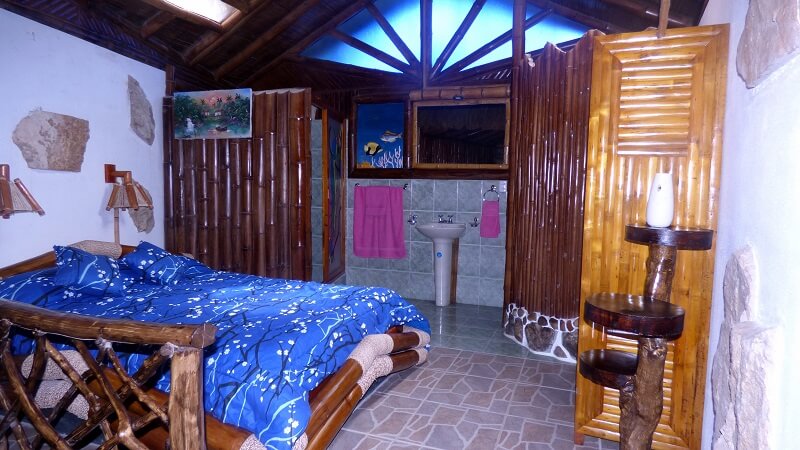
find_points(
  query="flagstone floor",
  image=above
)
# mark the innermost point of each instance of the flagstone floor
(478, 390)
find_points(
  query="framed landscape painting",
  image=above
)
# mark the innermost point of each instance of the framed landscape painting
(220, 114)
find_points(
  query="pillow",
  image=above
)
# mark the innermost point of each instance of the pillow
(162, 267)
(86, 273)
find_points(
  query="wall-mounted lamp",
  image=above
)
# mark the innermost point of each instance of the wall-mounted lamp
(14, 196)
(126, 193)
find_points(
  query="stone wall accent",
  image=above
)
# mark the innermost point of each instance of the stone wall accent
(143, 217)
(142, 121)
(746, 370)
(542, 335)
(52, 141)
(771, 37)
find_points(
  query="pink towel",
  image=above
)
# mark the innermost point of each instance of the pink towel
(378, 222)
(490, 219)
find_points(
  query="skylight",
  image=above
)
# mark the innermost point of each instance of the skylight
(215, 10)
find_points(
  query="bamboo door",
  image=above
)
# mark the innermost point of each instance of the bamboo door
(657, 106)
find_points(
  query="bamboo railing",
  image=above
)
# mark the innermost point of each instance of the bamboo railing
(244, 205)
(547, 173)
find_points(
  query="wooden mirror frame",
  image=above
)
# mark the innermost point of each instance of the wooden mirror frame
(415, 163)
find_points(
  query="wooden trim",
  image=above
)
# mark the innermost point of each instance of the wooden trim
(372, 51)
(426, 17)
(393, 36)
(212, 41)
(458, 36)
(155, 23)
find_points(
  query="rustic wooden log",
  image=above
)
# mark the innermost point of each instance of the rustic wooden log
(186, 414)
(641, 406)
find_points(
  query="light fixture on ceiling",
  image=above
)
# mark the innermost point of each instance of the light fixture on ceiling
(14, 196)
(126, 193)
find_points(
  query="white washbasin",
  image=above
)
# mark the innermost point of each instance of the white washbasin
(443, 234)
(444, 230)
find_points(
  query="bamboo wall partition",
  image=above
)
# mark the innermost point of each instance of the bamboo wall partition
(546, 180)
(657, 106)
(244, 205)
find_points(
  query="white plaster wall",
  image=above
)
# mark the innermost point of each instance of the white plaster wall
(45, 68)
(760, 206)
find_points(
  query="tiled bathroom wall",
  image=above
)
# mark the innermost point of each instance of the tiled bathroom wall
(316, 200)
(481, 261)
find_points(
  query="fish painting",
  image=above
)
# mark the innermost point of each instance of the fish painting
(390, 136)
(372, 148)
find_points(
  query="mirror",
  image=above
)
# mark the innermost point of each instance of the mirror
(460, 133)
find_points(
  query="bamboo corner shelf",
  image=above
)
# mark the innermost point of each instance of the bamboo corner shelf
(651, 320)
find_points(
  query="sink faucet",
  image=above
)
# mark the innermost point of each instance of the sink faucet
(449, 218)
(441, 218)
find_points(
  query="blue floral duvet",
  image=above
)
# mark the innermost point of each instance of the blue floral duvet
(277, 339)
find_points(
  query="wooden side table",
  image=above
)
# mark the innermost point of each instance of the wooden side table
(652, 321)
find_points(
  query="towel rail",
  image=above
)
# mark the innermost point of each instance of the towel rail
(492, 189)
(405, 186)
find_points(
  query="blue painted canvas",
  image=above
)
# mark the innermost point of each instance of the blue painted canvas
(379, 135)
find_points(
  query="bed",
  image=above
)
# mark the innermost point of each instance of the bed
(283, 363)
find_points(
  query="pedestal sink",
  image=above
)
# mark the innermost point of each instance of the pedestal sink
(442, 234)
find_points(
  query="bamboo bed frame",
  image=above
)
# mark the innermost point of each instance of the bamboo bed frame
(130, 413)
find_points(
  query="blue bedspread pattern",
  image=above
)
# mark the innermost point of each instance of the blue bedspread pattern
(277, 339)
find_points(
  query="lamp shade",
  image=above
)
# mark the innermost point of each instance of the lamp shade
(14, 196)
(129, 194)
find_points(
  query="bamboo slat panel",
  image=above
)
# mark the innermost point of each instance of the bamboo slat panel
(657, 106)
(547, 170)
(244, 204)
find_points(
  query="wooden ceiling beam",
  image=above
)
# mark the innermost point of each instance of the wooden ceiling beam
(393, 36)
(372, 51)
(265, 38)
(181, 13)
(211, 41)
(584, 17)
(649, 12)
(310, 38)
(493, 44)
(458, 36)
(154, 23)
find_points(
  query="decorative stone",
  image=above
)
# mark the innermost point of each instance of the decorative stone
(745, 368)
(518, 329)
(540, 339)
(510, 326)
(143, 217)
(559, 352)
(771, 37)
(542, 321)
(570, 326)
(142, 121)
(52, 141)
(553, 323)
(570, 342)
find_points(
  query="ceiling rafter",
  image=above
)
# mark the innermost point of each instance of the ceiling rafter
(393, 36)
(211, 41)
(650, 12)
(267, 36)
(156, 22)
(241, 5)
(310, 39)
(458, 35)
(580, 16)
(185, 15)
(490, 46)
(372, 51)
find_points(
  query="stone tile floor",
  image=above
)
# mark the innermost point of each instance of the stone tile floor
(478, 390)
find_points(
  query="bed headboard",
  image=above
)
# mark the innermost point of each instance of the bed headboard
(48, 259)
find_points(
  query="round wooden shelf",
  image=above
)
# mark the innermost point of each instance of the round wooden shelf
(610, 368)
(635, 314)
(678, 237)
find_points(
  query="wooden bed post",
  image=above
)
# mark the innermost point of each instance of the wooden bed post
(186, 412)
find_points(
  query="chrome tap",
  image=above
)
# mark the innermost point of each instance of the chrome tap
(449, 218)
(412, 219)
(441, 218)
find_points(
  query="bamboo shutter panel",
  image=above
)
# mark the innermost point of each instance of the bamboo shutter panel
(657, 106)
(243, 205)
(547, 170)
